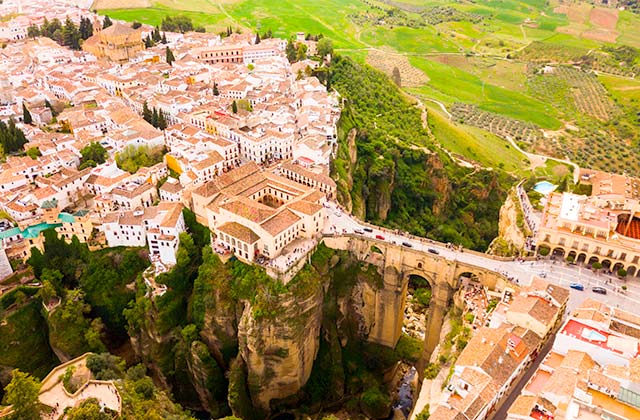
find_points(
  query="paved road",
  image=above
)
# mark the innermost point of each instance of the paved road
(557, 272)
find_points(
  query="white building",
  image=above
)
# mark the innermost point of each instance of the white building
(159, 227)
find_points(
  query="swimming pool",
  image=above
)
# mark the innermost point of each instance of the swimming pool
(544, 187)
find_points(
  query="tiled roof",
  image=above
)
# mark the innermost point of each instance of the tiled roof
(280, 222)
(240, 232)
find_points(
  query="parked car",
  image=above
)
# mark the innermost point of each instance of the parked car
(576, 286)
(433, 251)
(600, 290)
(368, 229)
(380, 237)
(407, 244)
(358, 230)
(543, 275)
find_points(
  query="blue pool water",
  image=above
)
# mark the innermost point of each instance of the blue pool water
(544, 187)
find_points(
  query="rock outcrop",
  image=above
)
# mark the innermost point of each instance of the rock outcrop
(511, 237)
(279, 352)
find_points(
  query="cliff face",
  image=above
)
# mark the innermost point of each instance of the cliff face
(279, 352)
(511, 229)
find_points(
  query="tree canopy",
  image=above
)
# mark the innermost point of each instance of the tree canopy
(93, 154)
(22, 393)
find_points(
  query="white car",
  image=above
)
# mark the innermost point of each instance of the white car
(358, 230)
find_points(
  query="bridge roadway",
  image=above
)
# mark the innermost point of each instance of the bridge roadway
(556, 272)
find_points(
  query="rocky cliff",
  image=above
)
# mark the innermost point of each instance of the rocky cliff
(279, 352)
(512, 229)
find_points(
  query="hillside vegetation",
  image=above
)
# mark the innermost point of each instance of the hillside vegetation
(399, 178)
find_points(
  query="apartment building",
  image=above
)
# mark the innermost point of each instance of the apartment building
(158, 227)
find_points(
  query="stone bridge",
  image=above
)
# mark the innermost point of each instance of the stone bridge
(397, 264)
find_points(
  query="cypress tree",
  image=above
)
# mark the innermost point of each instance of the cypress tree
(146, 113)
(164, 38)
(107, 22)
(162, 123)
(154, 118)
(234, 107)
(26, 115)
(170, 58)
(216, 92)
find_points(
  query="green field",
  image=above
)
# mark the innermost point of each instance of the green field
(451, 84)
(474, 143)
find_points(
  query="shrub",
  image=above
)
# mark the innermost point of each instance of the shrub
(622, 272)
(469, 318)
(544, 251)
(431, 371)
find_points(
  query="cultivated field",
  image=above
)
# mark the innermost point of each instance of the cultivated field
(387, 59)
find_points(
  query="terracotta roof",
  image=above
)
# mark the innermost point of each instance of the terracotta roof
(249, 209)
(306, 207)
(240, 232)
(280, 222)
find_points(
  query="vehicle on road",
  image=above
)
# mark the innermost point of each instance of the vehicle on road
(599, 290)
(543, 275)
(368, 229)
(380, 237)
(576, 286)
(433, 251)
(407, 244)
(358, 230)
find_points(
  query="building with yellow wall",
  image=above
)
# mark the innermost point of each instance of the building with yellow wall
(118, 42)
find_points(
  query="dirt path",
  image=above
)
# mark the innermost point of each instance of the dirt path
(442, 107)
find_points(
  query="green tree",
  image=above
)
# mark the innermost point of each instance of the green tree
(154, 117)
(34, 153)
(301, 52)
(33, 31)
(148, 43)
(106, 22)
(234, 107)
(136, 25)
(155, 35)
(47, 292)
(22, 393)
(162, 122)
(146, 113)
(216, 92)
(94, 152)
(325, 47)
(71, 35)
(26, 115)
(290, 51)
(169, 56)
(164, 38)
(257, 38)
(88, 409)
(86, 28)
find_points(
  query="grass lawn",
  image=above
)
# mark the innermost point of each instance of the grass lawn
(475, 143)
